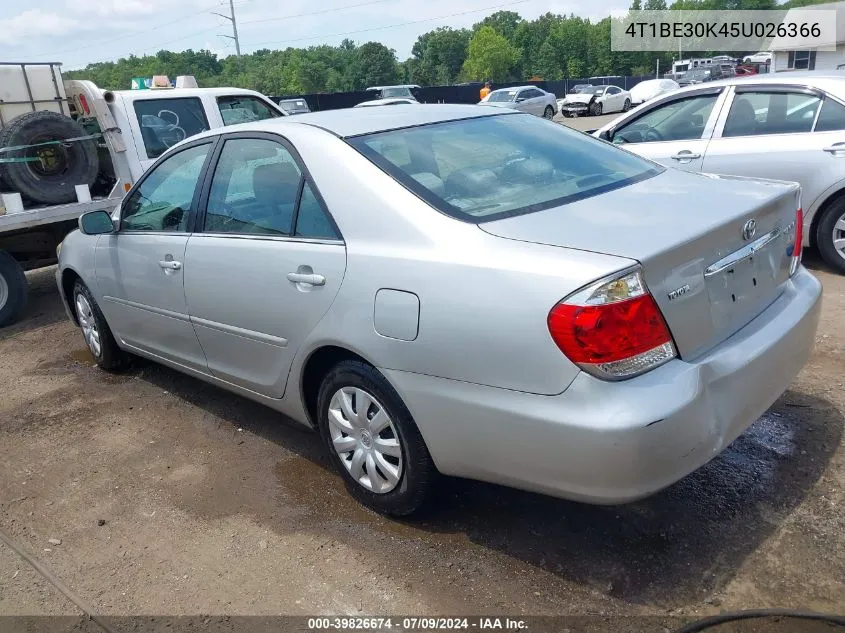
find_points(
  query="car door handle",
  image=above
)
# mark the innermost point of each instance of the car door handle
(684, 155)
(306, 278)
(170, 264)
(835, 148)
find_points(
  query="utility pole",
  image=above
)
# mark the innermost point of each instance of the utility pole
(234, 22)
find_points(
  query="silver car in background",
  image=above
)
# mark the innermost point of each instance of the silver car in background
(528, 99)
(453, 289)
(788, 126)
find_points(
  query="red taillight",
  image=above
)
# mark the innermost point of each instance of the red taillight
(797, 247)
(612, 330)
(84, 102)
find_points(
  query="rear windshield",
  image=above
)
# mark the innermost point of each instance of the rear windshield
(492, 167)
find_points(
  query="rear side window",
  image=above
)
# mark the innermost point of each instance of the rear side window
(496, 166)
(832, 117)
(165, 122)
(244, 109)
(758, 113)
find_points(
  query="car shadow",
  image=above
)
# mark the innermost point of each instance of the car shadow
(678, 545)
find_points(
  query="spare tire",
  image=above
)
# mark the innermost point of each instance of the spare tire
(51, 179)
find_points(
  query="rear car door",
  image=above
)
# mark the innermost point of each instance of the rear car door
(674, 131)
(265, 262)
(781, 132)
(140, 268)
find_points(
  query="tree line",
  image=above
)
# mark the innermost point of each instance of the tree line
(501, 47)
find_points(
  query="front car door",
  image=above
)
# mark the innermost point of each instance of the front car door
(613, 102)
(674, 131)
(263, 266)
(782, 132)
(140, 268)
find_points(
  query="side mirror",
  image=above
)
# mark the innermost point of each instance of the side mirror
(520, 99)
(96, 223)
(606, 136)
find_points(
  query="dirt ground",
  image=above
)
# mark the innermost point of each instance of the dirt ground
(172, 497)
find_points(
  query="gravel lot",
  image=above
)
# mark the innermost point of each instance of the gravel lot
(173, 497)
(585, 123)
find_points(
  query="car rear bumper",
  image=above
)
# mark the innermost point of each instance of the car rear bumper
(614, 442)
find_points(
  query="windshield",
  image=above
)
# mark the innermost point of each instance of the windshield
(491, 167)
(395, 92)
(581, 89)
(598, 91)
(502, 95)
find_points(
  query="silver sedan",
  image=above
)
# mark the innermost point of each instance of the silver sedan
(528, 99)
(448, 289)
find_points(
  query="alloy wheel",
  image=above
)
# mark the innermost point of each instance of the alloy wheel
(89, 325)
(365, 439)
(4, 291)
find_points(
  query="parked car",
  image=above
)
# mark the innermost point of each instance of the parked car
(456, 289)
(650, 89)
(528, 99)
(390, 101)
(759, 58)
(784, 126)
(601, 100)
(294, 106)
(710, 73)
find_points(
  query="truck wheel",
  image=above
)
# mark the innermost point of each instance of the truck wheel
(13, 289)
(59, 168)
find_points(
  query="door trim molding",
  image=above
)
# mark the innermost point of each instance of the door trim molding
(146, 308)
(268, 339)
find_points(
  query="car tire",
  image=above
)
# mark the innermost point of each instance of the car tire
(346, 435)
(832, 227)
(98, 336)
(549, 113)
(13, 289)
(597, 109)
(627, 105)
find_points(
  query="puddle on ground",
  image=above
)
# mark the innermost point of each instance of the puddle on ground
(81, 356)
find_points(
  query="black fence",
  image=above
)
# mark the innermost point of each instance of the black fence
(464, 93)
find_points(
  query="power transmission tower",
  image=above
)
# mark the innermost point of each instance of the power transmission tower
(234, 22)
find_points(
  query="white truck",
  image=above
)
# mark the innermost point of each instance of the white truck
(57, 135)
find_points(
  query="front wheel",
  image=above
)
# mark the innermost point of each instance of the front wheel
(597, 109)
(549, 113)
(627, 105)
(373, 441)
(98, 336)
(830, 236)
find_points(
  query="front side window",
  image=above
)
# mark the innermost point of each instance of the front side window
(613, 90)
(679, 120)
(244, 109)
(162, 202)
(757, 113)
(165, 122)
(491, 167)
(254, 189)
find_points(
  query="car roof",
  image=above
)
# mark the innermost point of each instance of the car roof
(510, 88)
(176, 93)
(348, 122)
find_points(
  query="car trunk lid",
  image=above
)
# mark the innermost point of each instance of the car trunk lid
(709, 273)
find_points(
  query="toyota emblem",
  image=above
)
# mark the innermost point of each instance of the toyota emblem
(749, 229)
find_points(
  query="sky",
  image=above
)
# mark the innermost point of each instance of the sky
(105, 30)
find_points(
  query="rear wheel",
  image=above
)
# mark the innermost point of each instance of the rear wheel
(13, 289)
(549, 113)
(830, 235)
(373, 441)
(98, 336)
